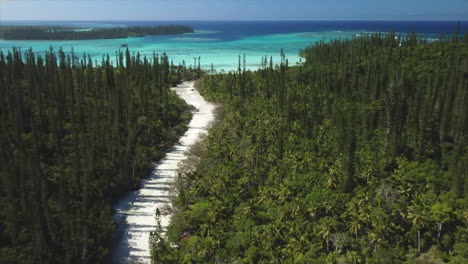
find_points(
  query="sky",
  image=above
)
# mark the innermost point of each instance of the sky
(233, 10)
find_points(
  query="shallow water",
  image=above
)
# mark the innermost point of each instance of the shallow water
(136, 211)
(224, 55)
(221, 42)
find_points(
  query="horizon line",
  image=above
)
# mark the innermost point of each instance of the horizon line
(241, 20)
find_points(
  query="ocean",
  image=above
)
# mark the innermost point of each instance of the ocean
(222, 42)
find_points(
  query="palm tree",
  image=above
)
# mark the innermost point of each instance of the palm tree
(325, 229)
(335, 172)
(375, 238)
(355, 226)
(417, 215)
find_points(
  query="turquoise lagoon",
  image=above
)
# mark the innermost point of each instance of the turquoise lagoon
(222, 54)
(222, 42)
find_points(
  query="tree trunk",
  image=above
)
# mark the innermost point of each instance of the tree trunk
(439, 231)
(419, 240)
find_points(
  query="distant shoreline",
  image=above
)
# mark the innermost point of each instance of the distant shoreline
(26, 32)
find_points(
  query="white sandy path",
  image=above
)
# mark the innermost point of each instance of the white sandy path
(136, 212)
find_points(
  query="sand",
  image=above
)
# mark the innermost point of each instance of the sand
(136, 212)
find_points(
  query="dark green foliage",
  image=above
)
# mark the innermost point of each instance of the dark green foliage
(78, 33)
(75, 137)
(359, 155)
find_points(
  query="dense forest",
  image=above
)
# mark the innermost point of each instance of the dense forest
(79, 33)
(76, 135)
(356, 155)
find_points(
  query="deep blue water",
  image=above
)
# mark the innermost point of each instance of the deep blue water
(240, 28)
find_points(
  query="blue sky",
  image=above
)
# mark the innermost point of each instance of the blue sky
(234, 10)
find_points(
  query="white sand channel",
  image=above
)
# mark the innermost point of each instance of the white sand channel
(136, 212)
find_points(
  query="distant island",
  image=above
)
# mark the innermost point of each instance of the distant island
(82, 33)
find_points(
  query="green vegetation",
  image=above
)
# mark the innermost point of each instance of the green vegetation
(74, 137)
(358, 155)
(79, 33)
